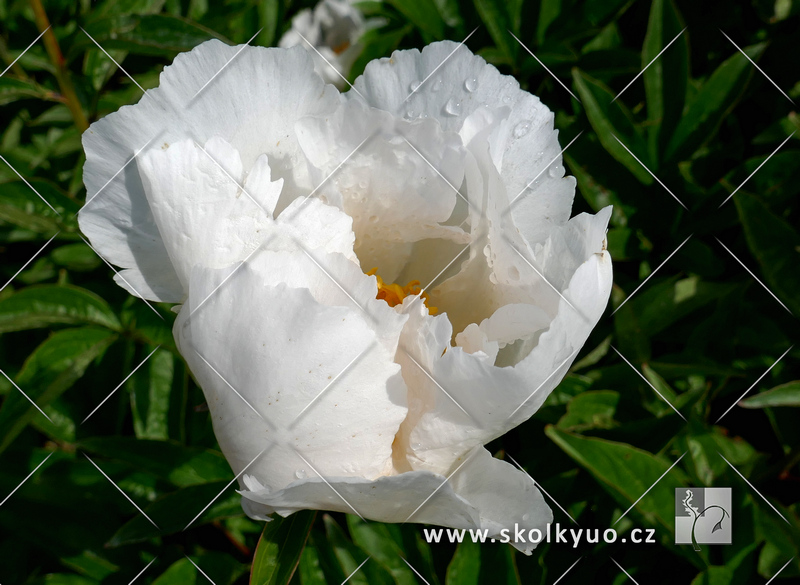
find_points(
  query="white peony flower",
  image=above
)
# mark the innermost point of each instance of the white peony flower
(264, 203)
(331, 33)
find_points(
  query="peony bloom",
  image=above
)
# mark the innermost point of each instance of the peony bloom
(333, 28)
(291, 223)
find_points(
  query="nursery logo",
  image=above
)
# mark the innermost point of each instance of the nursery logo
(703, 516)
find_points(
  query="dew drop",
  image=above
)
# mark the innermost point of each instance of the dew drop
(453, 107)
(471, 84)
(373, 218)
(525, 517)
(300, 473)
(522, 129)
(411, 114)
(416, 446)
(437, 85)
(506, 99)
(415, 85)
(556, 171)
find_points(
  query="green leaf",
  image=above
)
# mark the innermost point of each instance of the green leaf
(590, 410)
(150, 34)
(715, 100)
(181, 572)
(375, 539)
(310, 569)
(611, 119)
(498, 566)
(47, 305)
(12, 90)
(350, 557)
(501, 16)
(52, 368)
(181, 465)
(424, 14)
(269, 12)
(626, 473)
(665, 79)
(465, 566)
(173, 512)
(279, 548)
(776, 246)
(736, 571)
(77, 257)
(783, 395)
(150, 387)
(21, 206)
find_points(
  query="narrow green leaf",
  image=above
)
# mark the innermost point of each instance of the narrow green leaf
(351, 557)
(279, 548)
(310, 570)
(665, 79)
(47, 305)
(181, 572)
(376, 540)
(716, 98)
(500, 17)
(625, 472)
(12, 90)
(52, 368)
(77, 257)
(179, 464)
(269, 12)
(776, 246)
(783, 395)
(424, 14)
(20, 206)
(590, 410)
(465, 566)
(611, 119)
(150, 387)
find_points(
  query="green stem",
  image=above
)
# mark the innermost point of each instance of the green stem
(62, 73)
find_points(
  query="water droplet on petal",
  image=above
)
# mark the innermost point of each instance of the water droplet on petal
(415, 85)
(453, 107)
(522, 129)
(471, 84)
(525, 517)
(416, 446)
(437, 85)
(373, 218)
(556, 171)
(411, 114)
(300, 474)
(506, 99)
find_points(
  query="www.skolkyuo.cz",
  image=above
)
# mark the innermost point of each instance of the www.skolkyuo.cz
(553, 533)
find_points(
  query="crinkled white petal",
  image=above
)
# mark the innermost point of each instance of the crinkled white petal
(290, 363)
(482, 493)
(456, 84)
(249, 96)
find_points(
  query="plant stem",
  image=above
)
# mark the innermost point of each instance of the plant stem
(62, 73)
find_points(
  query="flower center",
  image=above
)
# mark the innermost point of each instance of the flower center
(394, 294)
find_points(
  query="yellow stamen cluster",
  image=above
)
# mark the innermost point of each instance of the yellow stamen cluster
(394, 294)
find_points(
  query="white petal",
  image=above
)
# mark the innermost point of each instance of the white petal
(316, 367)
(253, 98)
(203, 215)
(484, 493)
(527, 145)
